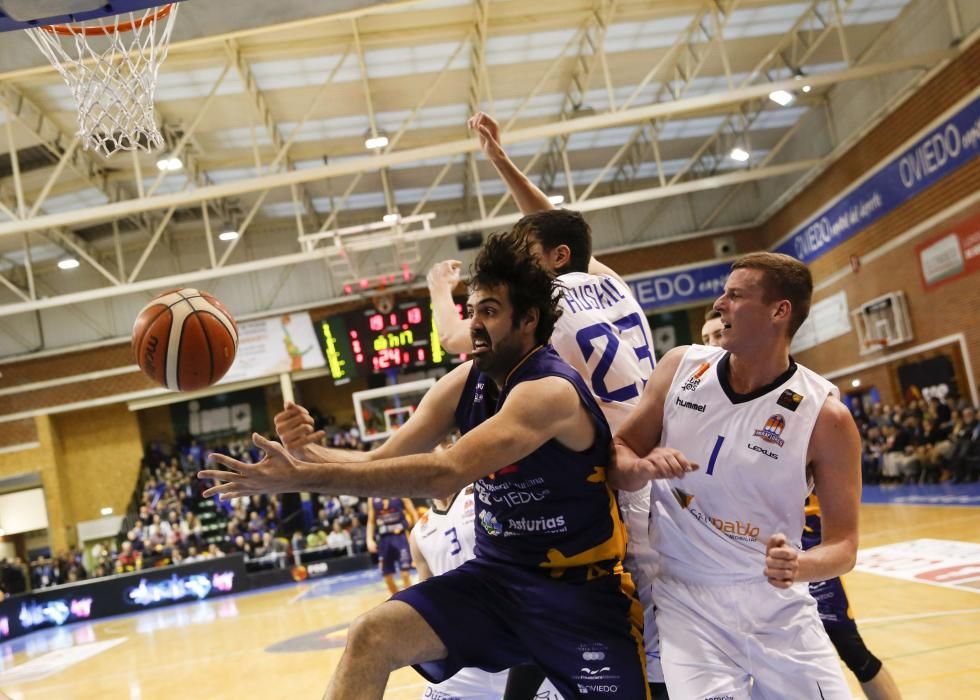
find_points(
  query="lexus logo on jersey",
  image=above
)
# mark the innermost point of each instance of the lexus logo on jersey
(773, 428)
(692, 383)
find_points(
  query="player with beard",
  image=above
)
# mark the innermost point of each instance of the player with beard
(547, 584)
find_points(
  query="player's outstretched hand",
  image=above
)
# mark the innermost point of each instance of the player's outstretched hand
(782, 561)
(277, 472)
(444, 274)
(665, 463)
(488, 131)
(294, 426)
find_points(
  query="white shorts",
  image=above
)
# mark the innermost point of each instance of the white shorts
(474, 684)
(745, 640)
(641, 562)
(468, 684)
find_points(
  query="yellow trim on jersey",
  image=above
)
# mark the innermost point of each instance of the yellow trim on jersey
(628, 588)
(521, 362)
(613, 548)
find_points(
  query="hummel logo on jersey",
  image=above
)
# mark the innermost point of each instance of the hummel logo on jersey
(790, 399)
(699, 407)
(692, 383)
(683, 499)
(774, 426)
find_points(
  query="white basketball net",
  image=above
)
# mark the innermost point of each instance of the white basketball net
(113, 77)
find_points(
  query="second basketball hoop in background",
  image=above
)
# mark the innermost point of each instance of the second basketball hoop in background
(185, 340)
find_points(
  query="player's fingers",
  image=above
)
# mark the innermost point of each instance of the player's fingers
(270, 447)
(219, 475)
(782, 553)
(776, 540)
(219, 489)
(230, 462)
(318, 436)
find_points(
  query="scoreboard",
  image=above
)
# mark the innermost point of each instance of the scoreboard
(370, 342)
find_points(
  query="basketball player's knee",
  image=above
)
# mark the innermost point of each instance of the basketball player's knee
(370, 635)
(855, 655)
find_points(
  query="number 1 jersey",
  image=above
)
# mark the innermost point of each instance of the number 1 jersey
(603, 333)
(712, 525)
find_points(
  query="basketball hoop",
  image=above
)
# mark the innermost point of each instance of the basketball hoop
(111, 65)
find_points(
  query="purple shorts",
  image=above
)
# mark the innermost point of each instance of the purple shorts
(585, 635)
(394, 549)
(832, 604)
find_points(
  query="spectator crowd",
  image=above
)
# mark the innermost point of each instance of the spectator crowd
(170, 523)
(920, 442)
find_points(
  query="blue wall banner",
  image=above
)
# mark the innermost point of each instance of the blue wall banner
(683, 286)
(943, 150)
(937, 154)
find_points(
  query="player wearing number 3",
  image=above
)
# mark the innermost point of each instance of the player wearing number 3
(731, 440)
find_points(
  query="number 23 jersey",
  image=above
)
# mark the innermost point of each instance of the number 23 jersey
(603, 333)
(447, 538)
(712, 525)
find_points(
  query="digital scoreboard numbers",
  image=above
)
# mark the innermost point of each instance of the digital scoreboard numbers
(373, 342)
(337, 350)
(398, 339)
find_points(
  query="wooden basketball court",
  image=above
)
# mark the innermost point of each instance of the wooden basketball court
(285, 642)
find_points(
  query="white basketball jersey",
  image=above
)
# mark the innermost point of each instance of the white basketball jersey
(603, 333)
(712, 525)
(446, 539)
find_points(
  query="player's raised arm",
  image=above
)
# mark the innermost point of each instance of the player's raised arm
(835, 462)
(279, 471)
(526, 194)
(636, 458)
(454, 332)
(537, 411)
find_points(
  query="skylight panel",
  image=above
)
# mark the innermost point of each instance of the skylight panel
(524, 48)
(196, 84)
(82, 199)
(649, 34)
(414, 60)
(310, 71)
(281, 210)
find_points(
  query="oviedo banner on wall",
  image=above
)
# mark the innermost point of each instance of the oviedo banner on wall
(942, 150)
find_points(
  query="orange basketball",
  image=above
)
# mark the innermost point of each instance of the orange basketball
(185, 340)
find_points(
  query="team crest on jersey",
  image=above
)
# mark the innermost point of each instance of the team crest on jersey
(490, 524)
(695, 379)
(773, 428)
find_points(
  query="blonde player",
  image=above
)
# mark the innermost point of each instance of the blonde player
(733, 438)
(602, 333)
(832, 604)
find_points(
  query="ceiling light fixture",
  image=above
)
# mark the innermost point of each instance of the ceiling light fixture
(68, 264)
(375, 142)
(228, 235)
(781, 97)
(855, 383)
(169, 164)
(740, 154)
(391, 218)
(106, 511)
(557, 199)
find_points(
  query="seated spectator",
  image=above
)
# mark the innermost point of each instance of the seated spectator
(965, 456)
(338, 538)
(317, 538)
